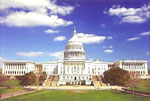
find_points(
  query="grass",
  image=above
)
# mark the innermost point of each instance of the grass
(143, 89)
(78, 95)
(8, 90)
(144, 83)
(143, 86)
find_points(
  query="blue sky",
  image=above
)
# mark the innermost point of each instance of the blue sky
(111, 30)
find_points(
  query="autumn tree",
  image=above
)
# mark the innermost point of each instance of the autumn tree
(117, 76)
(28, 79)
(42, 78)
(2, 79)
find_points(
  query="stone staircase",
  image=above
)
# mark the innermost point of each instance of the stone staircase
(51, 81)
(54, 81)
(97, 79)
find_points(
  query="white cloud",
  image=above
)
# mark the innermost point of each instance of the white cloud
(5, 4)
(145, 33)
(107, 47)
(102, 25)
(61, 9)
(122, 11)
(30, 54)
(51, 31)
(133, 19)
(130, 15)
(148, 53)
(90, 38)
(60, 38)
(108, 51)
(23, 19)
(93, 47)
(109, 37)
(58, 55)
(104, 47)
(77, 5)
(110, 46)
(42, 6)
(132, 39)
(34, 13)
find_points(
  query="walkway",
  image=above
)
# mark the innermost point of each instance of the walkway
(77, 87)
(12, 94)
(135, 92)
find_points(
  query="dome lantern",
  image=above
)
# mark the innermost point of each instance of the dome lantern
(74, 32)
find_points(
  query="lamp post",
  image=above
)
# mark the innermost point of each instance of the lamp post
(133, 83)
(38, 76)
(133, 74)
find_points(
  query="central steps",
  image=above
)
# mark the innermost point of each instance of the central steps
(97, 79)
(51, 81)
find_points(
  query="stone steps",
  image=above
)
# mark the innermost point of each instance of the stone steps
(98, 81)
(52, 81)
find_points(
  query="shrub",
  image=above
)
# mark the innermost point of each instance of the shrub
(11, 83)
(3, 78)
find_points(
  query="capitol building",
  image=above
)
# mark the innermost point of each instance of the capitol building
(74, 69)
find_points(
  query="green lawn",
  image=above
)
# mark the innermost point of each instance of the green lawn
(144, 83)
(143, 89)
(77, 95)
(143, 86)
(8, 90)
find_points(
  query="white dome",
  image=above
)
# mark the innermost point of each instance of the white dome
(74, 43)
(74, 48)
(74, 40)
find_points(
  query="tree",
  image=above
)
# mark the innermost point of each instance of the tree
(2, 79)
(0, 70)
(11, 83)
(148, 71)
(28, 79)
(135, 79)
(19, 78)
(117, 76)
(42, 78)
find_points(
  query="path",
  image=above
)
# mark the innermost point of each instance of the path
(12, 94)
(135, 92)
